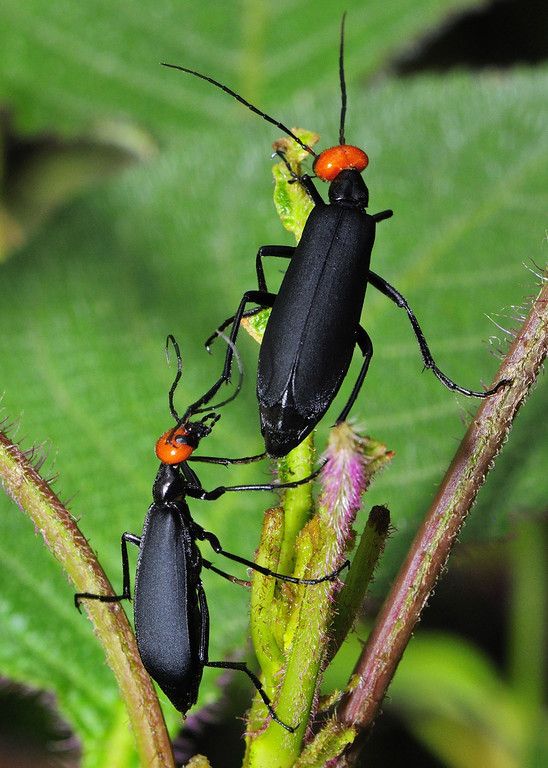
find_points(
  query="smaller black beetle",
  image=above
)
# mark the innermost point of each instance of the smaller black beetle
(170, 607)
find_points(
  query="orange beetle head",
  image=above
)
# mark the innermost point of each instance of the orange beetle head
(343, 157)
(179, 442)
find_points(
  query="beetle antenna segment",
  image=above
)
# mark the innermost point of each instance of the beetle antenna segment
(195, 407)
(178, 375)
(240, 377)
(213, 417)
(343, 82)
(246, 103)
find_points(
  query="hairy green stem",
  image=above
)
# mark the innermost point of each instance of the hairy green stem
(298, 502)
(291, 624)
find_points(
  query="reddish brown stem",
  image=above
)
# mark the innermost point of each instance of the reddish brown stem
(435, 538)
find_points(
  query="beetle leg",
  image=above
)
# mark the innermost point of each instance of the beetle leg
(283, 157)
(217, 548)
(226, 461)
(388, 290)
(201, 493)
(204, 629)
(280, 251)
(228, 576)
(192, 484)
(126, 591)
(305, 180)
(366, 345)
(255, 297)
(309, 187)
(382, 215)
(230, 320)
(241, 666)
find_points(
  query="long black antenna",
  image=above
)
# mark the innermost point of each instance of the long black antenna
(200, 405)
(343, 83)
(178, 375)
(243, 101)
(195, 407)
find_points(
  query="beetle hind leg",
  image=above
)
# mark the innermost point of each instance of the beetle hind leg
(388, 290)
(242, 667)
(366, 345)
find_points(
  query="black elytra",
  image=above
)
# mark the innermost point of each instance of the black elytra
(314, 325)
(300, 373)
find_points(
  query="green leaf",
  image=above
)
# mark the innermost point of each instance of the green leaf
(68, 64)
(169, 247)
(454, 701)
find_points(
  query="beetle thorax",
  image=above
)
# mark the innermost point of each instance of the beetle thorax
(168, 485)
(349, 189)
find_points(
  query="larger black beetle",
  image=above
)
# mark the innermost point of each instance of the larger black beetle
(315, 320)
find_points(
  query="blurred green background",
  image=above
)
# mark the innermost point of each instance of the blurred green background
(133, 201)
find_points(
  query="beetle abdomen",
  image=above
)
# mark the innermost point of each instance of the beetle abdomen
(167, 616)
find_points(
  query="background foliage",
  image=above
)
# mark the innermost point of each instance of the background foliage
(134, 200)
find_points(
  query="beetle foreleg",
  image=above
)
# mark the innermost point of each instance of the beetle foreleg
(382, 215)
(255, 297)
(305, 180)
(310, 188)
(226, 461)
